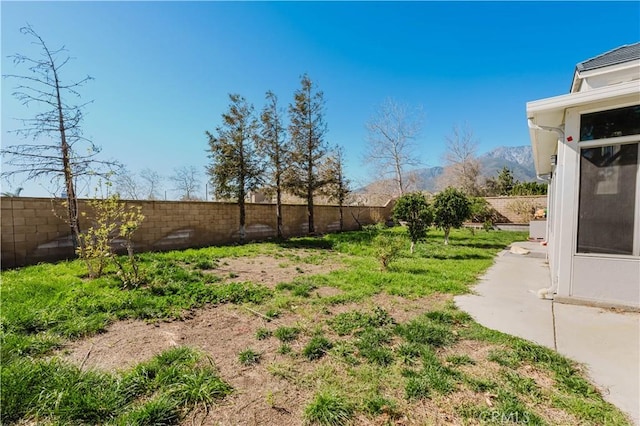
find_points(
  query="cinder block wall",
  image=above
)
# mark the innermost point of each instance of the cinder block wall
(504, 205)
(33, 229)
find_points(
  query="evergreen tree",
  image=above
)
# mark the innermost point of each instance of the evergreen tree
(505, 181)
(337, 188)
(235, 168)
(273, 145)
(308, 148)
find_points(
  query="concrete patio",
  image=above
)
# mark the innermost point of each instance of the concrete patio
(607, 342)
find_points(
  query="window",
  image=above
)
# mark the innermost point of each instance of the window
(607, 203)
(612, 123)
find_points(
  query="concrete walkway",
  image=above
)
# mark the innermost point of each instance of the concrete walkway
(606, 342)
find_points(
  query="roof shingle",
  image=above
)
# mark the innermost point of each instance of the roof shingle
(619, 55)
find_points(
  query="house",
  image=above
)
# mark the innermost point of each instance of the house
(586, 144)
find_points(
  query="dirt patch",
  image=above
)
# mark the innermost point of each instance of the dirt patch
(399, 308)
(276, 390)
(269, 270)
(222, 333)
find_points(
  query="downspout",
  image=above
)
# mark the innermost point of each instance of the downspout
(546, 291)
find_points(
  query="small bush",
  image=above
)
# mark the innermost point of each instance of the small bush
(387, 249)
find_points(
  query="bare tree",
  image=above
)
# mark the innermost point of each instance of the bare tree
(462, 168)
(392, 133)
(152, 182)
(127, 185)
(307, 129)
(186, 181)
(59, 150)
(272, 143)
(144, 185)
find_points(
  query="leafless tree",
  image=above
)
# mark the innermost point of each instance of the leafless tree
(152, 183)
(462, 168)
(58, 150)
(392, 133)
(186, 181)
(128, 185)
(138, 186)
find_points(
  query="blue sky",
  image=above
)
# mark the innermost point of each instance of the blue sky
(163, 70)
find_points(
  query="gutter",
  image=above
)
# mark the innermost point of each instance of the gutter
(544, 292)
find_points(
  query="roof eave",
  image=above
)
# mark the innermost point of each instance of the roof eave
(549, 113)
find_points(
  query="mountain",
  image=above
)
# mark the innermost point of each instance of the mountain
(518, 159)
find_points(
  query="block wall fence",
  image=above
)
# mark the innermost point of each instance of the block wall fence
(504, 205)
(33, 229)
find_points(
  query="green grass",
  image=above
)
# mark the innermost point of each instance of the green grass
(330, 409)
(249, 357)
(372, 356)
(263, 333)
(286, 334)
(41, 389)
(317, 347)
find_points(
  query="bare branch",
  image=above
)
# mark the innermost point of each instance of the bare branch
(392, 132)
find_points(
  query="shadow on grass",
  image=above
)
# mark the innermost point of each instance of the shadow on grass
(307, 243)
(468, 256)
(353, 237)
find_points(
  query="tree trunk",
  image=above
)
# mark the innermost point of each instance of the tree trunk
(446, 236)
(242, 219)
(413, 246)
(72, 201)
(312, 229)
(278, 209)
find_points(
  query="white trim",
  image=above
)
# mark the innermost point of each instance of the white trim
(607, 107)
(636, 229)
(571, 100)
(620, 140)
(609, 69)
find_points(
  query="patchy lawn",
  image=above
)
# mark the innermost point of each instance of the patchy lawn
(310, 330)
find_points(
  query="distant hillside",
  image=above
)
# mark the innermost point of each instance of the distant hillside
(518, 159)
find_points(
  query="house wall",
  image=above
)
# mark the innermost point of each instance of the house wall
(589, 278)
(33, 229)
